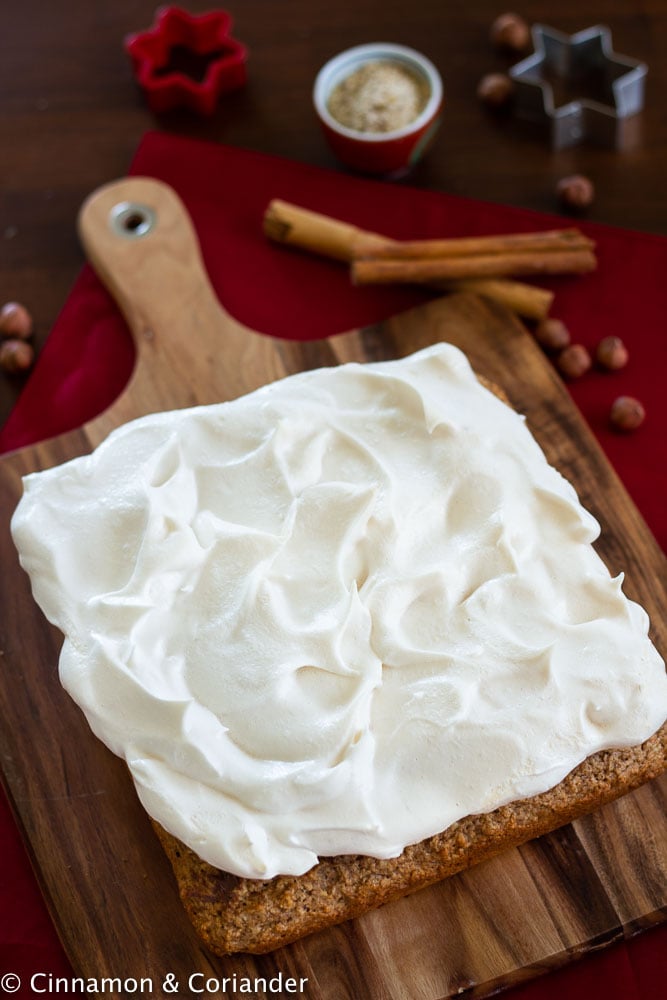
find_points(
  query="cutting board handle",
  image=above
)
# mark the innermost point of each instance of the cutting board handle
(139, 237)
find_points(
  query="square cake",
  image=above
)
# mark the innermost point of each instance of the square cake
(349, 633)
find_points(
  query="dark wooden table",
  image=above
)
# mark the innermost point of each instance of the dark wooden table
(71, 115)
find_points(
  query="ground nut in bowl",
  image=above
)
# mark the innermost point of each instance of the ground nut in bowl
(379, 106)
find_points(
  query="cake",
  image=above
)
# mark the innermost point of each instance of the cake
(349, 633)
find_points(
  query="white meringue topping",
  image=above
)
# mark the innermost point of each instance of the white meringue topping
(337, 614)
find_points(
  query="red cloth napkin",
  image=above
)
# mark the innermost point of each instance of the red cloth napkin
(88, 357)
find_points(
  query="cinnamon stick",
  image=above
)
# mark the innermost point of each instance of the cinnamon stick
(528, 301)
(371, 271)
(296, 226)
(299, 227)
(554, 240)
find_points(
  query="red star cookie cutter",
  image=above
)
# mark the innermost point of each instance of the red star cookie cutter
(187, 60)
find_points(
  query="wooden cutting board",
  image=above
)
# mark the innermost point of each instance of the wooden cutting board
(106, 881)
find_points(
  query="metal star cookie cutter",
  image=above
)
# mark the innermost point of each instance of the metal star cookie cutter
(578, 87)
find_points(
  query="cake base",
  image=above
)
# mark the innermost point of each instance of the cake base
(233, 914)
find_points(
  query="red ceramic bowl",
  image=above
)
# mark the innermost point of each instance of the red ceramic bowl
(386, 153)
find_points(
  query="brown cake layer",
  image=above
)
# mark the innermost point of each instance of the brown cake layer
(234, 914)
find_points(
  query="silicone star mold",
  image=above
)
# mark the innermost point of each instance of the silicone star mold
(578, 86)
(187, 60)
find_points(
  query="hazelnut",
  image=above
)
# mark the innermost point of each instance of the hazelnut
(626, 414)
(510, 32)
(576, 192)
(15, 321)
(574, 361)
(495, 90)
(611, 353)
(552, 334)
(16, 355)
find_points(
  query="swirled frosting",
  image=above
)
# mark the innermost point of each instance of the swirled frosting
(337, 614)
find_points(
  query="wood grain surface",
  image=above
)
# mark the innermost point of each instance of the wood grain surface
(107, 883)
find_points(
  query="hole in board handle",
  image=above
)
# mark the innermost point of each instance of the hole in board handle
(131, 220)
